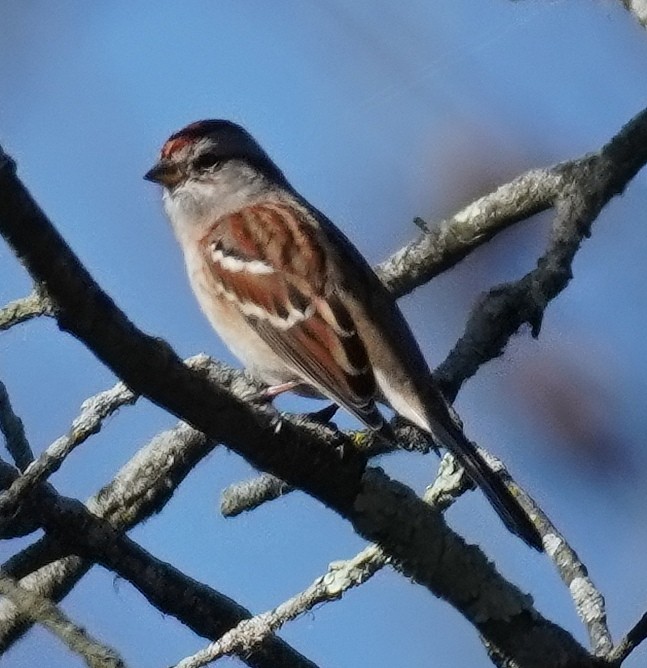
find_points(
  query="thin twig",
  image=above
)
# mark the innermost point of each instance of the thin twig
(13, 430)
(448, 242)
(629, 643)
(23, 309)
(249, 494)
(244, 637)
(198, 606)
(638, 8)
(43, 611)
(93, 413)
(589, 602)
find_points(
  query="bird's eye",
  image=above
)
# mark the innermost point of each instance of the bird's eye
(207, 161)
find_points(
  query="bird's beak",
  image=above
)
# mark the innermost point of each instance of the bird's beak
(165, 173)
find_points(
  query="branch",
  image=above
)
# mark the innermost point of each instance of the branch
(201, 608)
(638, 8)
(93, 412)
(589, 602)
(587, 185)
(141, 488)
(46, 613)
(340, 577)
(250, 494)
(24, 309)
(13, 431)
(453, 239)
(247, 635)
(629, 643)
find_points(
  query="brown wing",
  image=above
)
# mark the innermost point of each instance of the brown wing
(267, 259)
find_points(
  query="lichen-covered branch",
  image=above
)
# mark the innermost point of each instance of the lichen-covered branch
(93, 413)
(628, 644)
(23, 309)
(199, 607)
(639, 9)
(589, 602)
(249, 494)
(586, 185)
(451, 240)
(43, 611)
(249, 633)
(341, 576)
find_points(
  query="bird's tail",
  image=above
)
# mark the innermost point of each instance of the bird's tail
(501, 498)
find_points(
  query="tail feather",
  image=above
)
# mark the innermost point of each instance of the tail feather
(501, 498)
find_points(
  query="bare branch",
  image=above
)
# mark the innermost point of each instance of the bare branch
(341, 576)
(141, 488)
(43, 611)
(639, 9)
(93, 412)
(249, 494)
(589, 602)
(13, 430)
(23, 309)
(587, 185)
(451, 240)
(199, 607)
(629, 643)
(244, 637)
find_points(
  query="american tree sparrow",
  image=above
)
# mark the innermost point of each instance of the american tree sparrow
(294, 299)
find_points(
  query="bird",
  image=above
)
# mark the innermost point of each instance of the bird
(296, 302)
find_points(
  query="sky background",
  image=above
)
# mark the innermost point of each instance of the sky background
(377, 112)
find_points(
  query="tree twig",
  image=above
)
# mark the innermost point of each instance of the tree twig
(244, 637)
(587, 185)
(201, 608)
(629, 643)
(93, 413)
(23, 309)
(341, 576)
(249, 494)
(589, 602)
(638, 8)
(43, 611)
(13, 431)
(446, 244)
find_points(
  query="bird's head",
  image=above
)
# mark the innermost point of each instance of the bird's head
(203, 149)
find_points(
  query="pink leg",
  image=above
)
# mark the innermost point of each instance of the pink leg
(273, 391)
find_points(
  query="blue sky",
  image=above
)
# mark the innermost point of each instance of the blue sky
(378, 113)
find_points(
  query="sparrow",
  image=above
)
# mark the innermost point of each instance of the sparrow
(294, 299)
